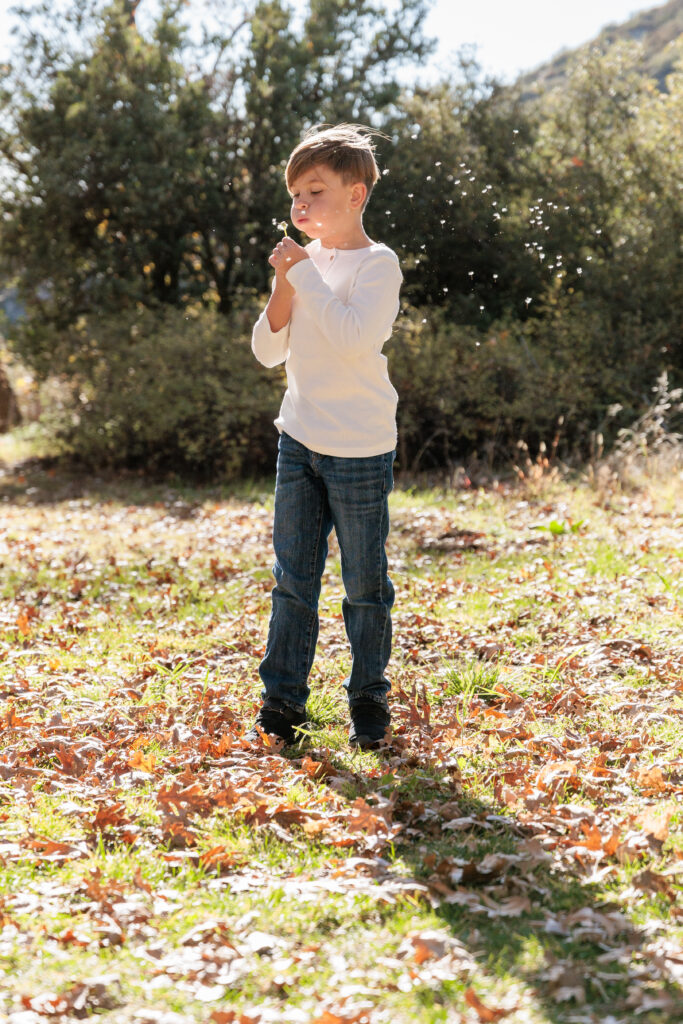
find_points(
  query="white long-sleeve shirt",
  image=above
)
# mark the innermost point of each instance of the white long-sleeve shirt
(339, 399)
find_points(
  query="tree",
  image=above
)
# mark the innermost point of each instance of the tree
(613, 213)
(459, 161)
(105, 152)
(137, 177)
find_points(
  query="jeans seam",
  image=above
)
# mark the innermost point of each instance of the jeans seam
(381, 580)
(316, 551)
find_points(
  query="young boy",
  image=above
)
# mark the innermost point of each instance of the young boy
(332, 308)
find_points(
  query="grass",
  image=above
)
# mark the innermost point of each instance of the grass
(514, 854)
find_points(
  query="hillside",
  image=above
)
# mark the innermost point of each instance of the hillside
(659, 31)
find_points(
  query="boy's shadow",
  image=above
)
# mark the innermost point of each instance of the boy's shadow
(523, 917)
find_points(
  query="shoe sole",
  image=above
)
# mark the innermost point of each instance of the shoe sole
(253, 736)
(367, 742)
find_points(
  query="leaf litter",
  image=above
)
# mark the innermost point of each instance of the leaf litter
(536, 751)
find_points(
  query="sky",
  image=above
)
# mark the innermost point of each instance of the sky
(509, 37)
(512, 37)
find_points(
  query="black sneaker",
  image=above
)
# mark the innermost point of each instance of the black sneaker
(276, 721)
(369, 724)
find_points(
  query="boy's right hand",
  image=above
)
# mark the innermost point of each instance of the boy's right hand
(285, 254)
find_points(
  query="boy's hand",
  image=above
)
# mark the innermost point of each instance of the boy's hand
(285, 254)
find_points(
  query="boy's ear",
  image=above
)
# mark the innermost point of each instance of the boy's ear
(359, 193)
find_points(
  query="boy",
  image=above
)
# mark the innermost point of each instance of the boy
(332, 308)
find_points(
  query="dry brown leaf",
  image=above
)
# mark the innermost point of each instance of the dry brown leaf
(233, 1017)
(23, 623)
(485, 1013)
(655, 821)
(139, 761)
(556, 773)
(650, 881)
(342, 1017)
(651, 780)
(427, 947)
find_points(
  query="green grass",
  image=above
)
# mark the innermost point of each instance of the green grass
(536, 707)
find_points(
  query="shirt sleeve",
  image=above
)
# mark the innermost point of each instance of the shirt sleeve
(269, 347)
(362, 323)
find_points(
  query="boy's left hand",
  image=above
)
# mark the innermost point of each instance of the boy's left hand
(285, 254)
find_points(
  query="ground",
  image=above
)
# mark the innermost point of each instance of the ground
(515, 852)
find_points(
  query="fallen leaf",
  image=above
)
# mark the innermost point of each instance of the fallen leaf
(485, 1013)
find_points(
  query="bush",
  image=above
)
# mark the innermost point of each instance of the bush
(171, 391)
(468, 394)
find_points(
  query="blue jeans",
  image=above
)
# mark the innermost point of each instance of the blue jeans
(314, 493)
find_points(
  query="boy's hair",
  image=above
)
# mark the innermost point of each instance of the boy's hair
(347, 149)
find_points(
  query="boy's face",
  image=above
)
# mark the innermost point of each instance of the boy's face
(324, 206)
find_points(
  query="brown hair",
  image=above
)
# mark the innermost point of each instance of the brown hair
(347, 149)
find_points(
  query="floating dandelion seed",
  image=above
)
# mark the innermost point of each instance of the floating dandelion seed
(495, 277)
(579, 270)
(470, 273)
(527, 301)
(481, 309)
(282, 226)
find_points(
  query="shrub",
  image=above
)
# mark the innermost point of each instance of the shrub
(171, 391)
(466, 393)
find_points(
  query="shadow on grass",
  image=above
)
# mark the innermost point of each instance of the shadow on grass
(529, 923)
(39, 482)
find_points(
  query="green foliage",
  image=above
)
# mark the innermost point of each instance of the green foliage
(458, 165)
(138, 178)
(171, 391)
(469, 393)
(612, 206)
(102, 205)
(540, 241)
